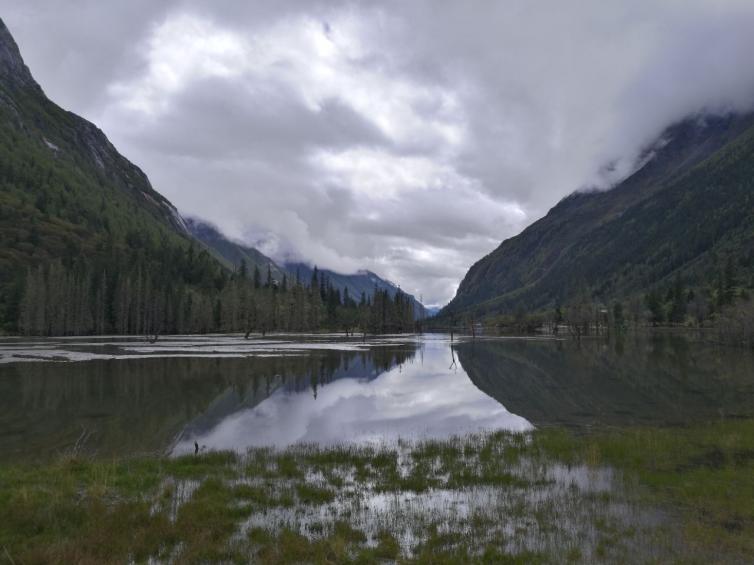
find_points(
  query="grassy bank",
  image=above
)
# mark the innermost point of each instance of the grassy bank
(551, 496)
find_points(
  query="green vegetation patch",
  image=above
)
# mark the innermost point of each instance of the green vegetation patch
(704, 473)
(687, 490)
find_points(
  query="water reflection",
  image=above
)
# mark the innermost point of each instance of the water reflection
(129, 405)
(225, 392)
(421, 397)
(642, 380)
(124, 397)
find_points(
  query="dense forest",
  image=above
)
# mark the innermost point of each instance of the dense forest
(123, 295)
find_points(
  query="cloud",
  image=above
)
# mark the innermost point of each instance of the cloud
(407, 138)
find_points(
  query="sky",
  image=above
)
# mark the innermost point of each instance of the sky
(405, 137)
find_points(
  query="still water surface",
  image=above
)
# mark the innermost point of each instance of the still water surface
(122, 395)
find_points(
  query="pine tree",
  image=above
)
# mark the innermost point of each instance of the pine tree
(730, 281)
(314, 283)
(618, 316)
(678, 304)
(654, 304)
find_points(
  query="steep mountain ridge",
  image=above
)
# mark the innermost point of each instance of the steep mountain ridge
(77, 214)
(12, 66)
(66, 134)
(689, 206)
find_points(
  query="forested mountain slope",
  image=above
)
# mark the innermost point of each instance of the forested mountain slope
(681, 217)
(84, 235)
(89, 247)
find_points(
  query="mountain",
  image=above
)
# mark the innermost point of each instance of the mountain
(84, 235)
(232, 253)
(680, 217)
(357, 283)
(431, 311)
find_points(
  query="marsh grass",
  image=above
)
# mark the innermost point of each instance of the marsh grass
(705, 474)
(647, 495)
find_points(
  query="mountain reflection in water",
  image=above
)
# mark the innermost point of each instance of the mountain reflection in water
(419, 396)
(638, 380)
(120, 396)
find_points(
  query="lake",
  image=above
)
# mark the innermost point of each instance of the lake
(122, 395)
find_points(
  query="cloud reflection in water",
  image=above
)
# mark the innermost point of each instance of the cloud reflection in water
(423, 398)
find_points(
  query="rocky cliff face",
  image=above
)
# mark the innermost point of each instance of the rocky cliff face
(66, 134)
(12, 67)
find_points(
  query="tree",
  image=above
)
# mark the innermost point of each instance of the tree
(579, 312)
(678, 302)
(314, 282)
(730, 281)
(618, 317)
(656, 310)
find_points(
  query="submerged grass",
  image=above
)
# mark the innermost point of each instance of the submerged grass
(705, 473)
(683, 494)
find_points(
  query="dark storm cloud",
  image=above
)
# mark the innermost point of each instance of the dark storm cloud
(408, 138)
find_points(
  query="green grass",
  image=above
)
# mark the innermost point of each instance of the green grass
(318, 505)
(704, 473)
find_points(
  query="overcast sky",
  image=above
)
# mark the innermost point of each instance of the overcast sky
(407, 137)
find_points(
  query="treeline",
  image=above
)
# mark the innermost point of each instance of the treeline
(185, 293)
(720, 300)
(679, 304)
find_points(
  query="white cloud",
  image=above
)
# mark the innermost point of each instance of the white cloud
(181, 50)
